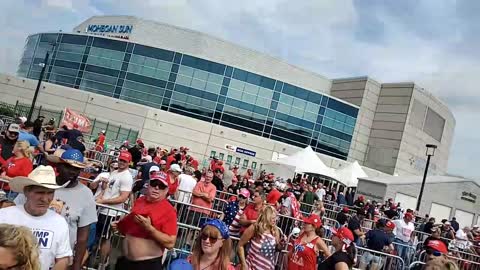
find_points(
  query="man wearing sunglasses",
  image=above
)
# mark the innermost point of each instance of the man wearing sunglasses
(149, 229)
(8, 140)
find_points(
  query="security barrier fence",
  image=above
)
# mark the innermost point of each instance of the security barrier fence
(114, 133)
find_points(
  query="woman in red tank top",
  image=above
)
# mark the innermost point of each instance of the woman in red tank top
(304, 250)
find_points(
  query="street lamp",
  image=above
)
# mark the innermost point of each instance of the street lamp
(40, 78)
(430, 152)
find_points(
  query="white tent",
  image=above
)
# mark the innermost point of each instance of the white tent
(349, 174)
(304, 161)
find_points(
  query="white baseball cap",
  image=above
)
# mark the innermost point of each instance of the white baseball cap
(175, 168)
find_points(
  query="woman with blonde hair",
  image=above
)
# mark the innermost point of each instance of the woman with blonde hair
(20, 164)
(212, 248)
(18, 248)
(264, 237)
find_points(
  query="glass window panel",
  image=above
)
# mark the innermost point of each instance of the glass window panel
(265, 93)
(208, 104)
(248, 98)
(194, 100)
(150, 62)
(100, 78)
(312, 117)
(69, 56)
(312, 107)
(200, 74)
(338, 125)
(198, 84)
(327, 122)
(166, 66)
(115, 64)
(184, 70)
(184, 80)
(71, 48)
(110, 44)
(137, 59)
(153, 52)
(236, 84)
(74, 39)
(235, 94)
(134, 68)
(162, 75)
(299, 103)
(283, 108)
(149, 72)
(213, 88)
(65, 71)
(263, 102)
(251, 89)
(49, 38)
(143, 88)
(215, 78)
(330, 113)
(350, 120)
(286, 99)
(116, 55)
(179, 96)
(348, 129)
(296, 112)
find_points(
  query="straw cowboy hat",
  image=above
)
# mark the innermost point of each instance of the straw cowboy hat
(42, 176)
(73, 157)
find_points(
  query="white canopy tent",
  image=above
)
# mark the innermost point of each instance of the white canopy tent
(304, 161)
(349, 174)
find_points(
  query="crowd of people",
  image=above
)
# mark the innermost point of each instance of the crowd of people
(234, 217)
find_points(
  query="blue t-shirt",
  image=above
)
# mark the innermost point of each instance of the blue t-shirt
(377, 239)
(30, 138)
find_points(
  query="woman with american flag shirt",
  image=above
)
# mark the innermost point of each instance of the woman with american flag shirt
(265, 239)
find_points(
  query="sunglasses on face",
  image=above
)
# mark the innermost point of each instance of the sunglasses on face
(433, 252)
(157, 183)
(212, 240)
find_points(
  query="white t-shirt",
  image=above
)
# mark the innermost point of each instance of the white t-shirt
(75, 204)
(461, 240)
(320, 193)
(117, 182)
(403, 231)
(99, 177)
(51, 230)
(185, 187)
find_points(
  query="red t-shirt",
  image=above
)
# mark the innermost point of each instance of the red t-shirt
(161, 213)
(304, 258)
(17, 167)
(194, 164)
(170, 159)
(273, 196)
(250, 213)
(172, 187)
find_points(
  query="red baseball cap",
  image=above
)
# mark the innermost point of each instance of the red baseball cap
(390, 225)
(345, 209)
(313, 220)
(344, 234)
(408, 215)
(139, 141)
(125, 156)
(161, 176)
(438, 245)
(361, 198)
(75, 125)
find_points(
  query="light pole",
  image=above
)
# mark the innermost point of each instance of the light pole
(430, 152)
(42, 72)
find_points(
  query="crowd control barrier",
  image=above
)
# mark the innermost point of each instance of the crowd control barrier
(376, 260)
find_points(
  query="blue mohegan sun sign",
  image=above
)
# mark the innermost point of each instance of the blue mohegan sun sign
(110, 28)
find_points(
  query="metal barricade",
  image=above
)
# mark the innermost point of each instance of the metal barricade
(191, 214)
(416, 265)
(105, 158)
(371, 259)
(104, 245)
(286, 223)
(224, 195)
(405, 251)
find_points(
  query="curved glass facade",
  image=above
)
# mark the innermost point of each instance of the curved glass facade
(195, 87)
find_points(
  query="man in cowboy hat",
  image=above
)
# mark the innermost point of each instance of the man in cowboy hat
(50, 228)
(75, 202)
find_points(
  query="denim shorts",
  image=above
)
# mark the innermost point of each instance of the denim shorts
(368, 258)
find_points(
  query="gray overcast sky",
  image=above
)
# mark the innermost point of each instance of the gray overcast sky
(431, 42)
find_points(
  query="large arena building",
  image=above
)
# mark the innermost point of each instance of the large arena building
(181, 87)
